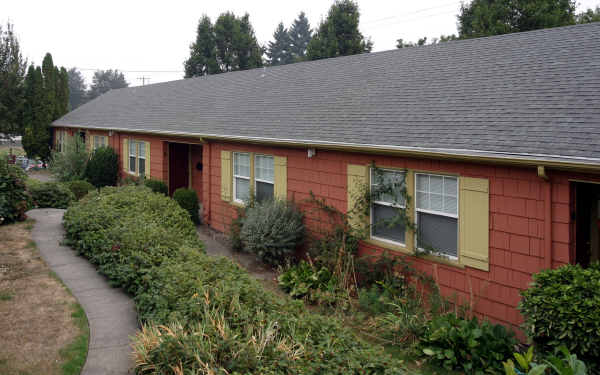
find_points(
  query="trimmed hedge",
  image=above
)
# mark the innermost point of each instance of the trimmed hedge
(562, 307)
(204, 314)
(14, 199)
(79, 188)
(157, 186)
(188, 199)
(49, 194)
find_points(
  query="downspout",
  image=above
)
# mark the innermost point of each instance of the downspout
(547, 191)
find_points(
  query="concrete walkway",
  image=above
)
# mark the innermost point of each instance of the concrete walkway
(110, 312)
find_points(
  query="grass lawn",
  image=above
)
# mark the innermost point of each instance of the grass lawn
(43, 329)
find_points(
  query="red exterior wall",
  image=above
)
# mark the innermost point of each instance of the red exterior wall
(530, 226)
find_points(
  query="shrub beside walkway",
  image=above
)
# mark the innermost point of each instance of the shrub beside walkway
(111, 313)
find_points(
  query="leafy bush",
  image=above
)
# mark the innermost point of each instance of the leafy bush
(466, 345)
(70, 164)
(567, 364)
(157, 186)
(14, 199)
(304, 280)
(49, 194)
(103, 167)
(79, 188)
(128, 230)
(188, 200)
(562, 307)
(202, 314)
(272, 230)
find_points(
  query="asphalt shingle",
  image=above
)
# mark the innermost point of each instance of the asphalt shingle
(533, 93)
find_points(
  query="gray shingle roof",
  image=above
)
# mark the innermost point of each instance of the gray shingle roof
(534, 94)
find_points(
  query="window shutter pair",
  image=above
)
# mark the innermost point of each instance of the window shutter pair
(474, 214)
(280, 170)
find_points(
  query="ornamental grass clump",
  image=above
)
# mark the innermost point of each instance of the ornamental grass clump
(272, 230)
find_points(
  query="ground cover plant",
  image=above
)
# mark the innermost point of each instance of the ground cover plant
(49, 194)
(79, 188)
(201, 314)
(157, 186)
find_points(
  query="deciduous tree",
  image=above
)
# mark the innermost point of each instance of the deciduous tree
(338, 34)
(106, 80)
(493, 17)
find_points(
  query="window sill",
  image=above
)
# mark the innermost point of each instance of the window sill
(407, 251)
(237, 203)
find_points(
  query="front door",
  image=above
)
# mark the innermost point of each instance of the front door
(587, 223)
(179, 154)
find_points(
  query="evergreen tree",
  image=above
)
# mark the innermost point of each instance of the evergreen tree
(49, 73)
(106, 80)
(77, 88)
(12, 75)
(300, 36)
(36, 116)
(279, 51)
(62, 92)
(494, 17)
(203, 52)
(338, 35)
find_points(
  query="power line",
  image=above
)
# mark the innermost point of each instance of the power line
(136, 71)
(410, 20)
(144, 79)
(403, 15)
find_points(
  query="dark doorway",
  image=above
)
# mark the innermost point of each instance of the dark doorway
(179, 169)
(586, 223)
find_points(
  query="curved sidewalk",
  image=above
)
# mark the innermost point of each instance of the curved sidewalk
(110, 312)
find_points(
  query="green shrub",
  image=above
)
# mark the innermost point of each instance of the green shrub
(307, 281)
(467, 345)
(128, 230)
(560, 363)
(157, 186)
(49, 194)
(14, 199)
(272, 230)
(188, 199)
(562, 307)
(70, 164)
(205, 314)
(103, 167)
(80, 188)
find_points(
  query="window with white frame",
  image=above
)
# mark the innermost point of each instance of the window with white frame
(264, 177)
(99, 141)
(60, 140)
(241, 176)
(137, 157)
(437, 213)
(387, 191)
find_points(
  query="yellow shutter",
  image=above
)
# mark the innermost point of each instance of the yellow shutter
(474, 222)
(147, 156)
(357, 182)
(226, 175)
(280, 165)
(125, 155)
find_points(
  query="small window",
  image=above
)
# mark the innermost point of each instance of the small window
(99, 141)
(387, 189)
(264, 176)
(241, 176)
(60, 144)
(132, 155)
(437, 214)
(142, 158)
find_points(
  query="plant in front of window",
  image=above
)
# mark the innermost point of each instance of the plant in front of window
(70, 162)
(103, 167)
(272, 230)
(188, 200)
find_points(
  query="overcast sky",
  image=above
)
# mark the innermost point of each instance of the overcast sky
(151, 38)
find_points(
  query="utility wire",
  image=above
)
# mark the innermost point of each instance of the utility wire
(403, 15)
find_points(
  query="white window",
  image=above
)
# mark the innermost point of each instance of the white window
(99, 141)
(437, 214)
(388, 203)
(141, 158)
(241, 176)
(60, 142)
(264, 176)
(132, 155)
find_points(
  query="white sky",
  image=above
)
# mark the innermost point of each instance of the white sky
(147, 38)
